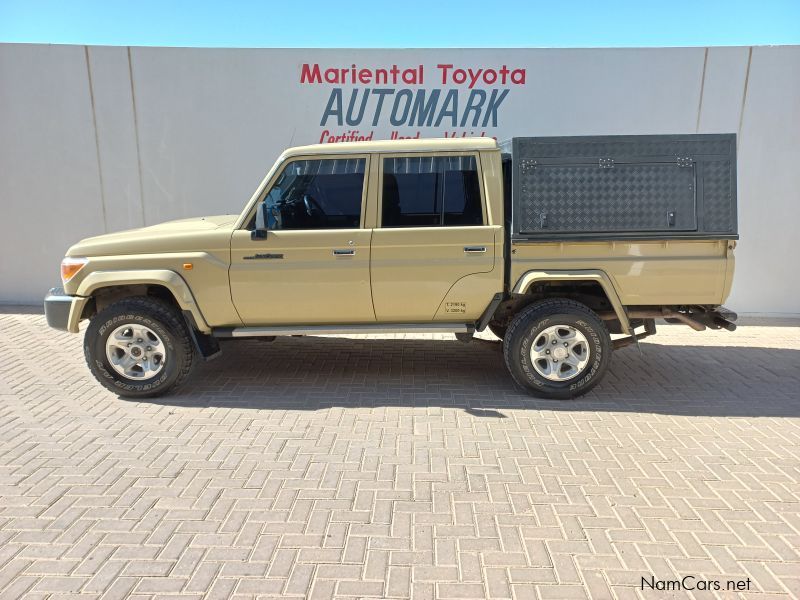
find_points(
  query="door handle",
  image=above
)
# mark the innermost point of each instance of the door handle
(347, 252)
(474, 249)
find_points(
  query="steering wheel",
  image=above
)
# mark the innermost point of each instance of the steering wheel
(313, 209)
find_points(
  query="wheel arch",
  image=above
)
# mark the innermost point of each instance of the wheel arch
(592, 277)
(100, 288)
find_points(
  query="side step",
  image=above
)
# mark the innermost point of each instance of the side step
(369, 328)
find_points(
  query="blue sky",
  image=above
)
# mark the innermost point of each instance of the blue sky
(403, 23)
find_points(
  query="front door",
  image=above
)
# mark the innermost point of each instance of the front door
(432, 250)
(313, 265)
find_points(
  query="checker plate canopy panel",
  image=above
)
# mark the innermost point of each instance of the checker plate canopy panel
(608, 187)
(626, 197)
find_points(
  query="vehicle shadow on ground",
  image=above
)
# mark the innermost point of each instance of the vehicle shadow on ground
(316, 372)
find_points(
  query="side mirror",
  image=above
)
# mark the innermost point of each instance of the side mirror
(260, 232)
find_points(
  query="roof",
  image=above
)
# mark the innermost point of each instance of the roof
(415, 145)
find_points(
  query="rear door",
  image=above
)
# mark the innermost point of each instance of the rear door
(432, 247)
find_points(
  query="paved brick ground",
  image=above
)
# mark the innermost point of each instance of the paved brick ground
(330, 467)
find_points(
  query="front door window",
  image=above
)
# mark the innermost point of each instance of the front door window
(317, 194)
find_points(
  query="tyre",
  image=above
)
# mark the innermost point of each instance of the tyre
(557, 349)
(139, 347)
(497, 329)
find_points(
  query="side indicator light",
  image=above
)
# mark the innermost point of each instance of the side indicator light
(70, 267)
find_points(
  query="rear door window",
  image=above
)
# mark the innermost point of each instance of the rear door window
(431, 191)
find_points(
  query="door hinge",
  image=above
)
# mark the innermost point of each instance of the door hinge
(606, 163)
(685, 161)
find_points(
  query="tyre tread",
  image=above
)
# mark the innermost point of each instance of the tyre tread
(530, 313)
(157, 309)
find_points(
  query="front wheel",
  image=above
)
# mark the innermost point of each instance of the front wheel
(557, 349)
(139, 347)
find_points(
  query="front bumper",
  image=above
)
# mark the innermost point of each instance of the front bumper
(62, 311)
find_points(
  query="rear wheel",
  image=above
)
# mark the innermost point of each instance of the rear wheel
(557, 349)
(139, 347)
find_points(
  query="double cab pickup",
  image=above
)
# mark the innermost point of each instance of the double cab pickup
(553, 244)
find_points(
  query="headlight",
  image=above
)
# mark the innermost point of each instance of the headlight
(70, 267)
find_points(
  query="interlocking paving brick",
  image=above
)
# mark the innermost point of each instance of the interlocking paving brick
(400, 466)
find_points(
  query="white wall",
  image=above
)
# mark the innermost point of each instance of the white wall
(96, 139)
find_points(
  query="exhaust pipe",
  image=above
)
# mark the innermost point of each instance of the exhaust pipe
(666, 313)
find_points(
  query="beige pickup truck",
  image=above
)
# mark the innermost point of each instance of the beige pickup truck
(554, 244)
